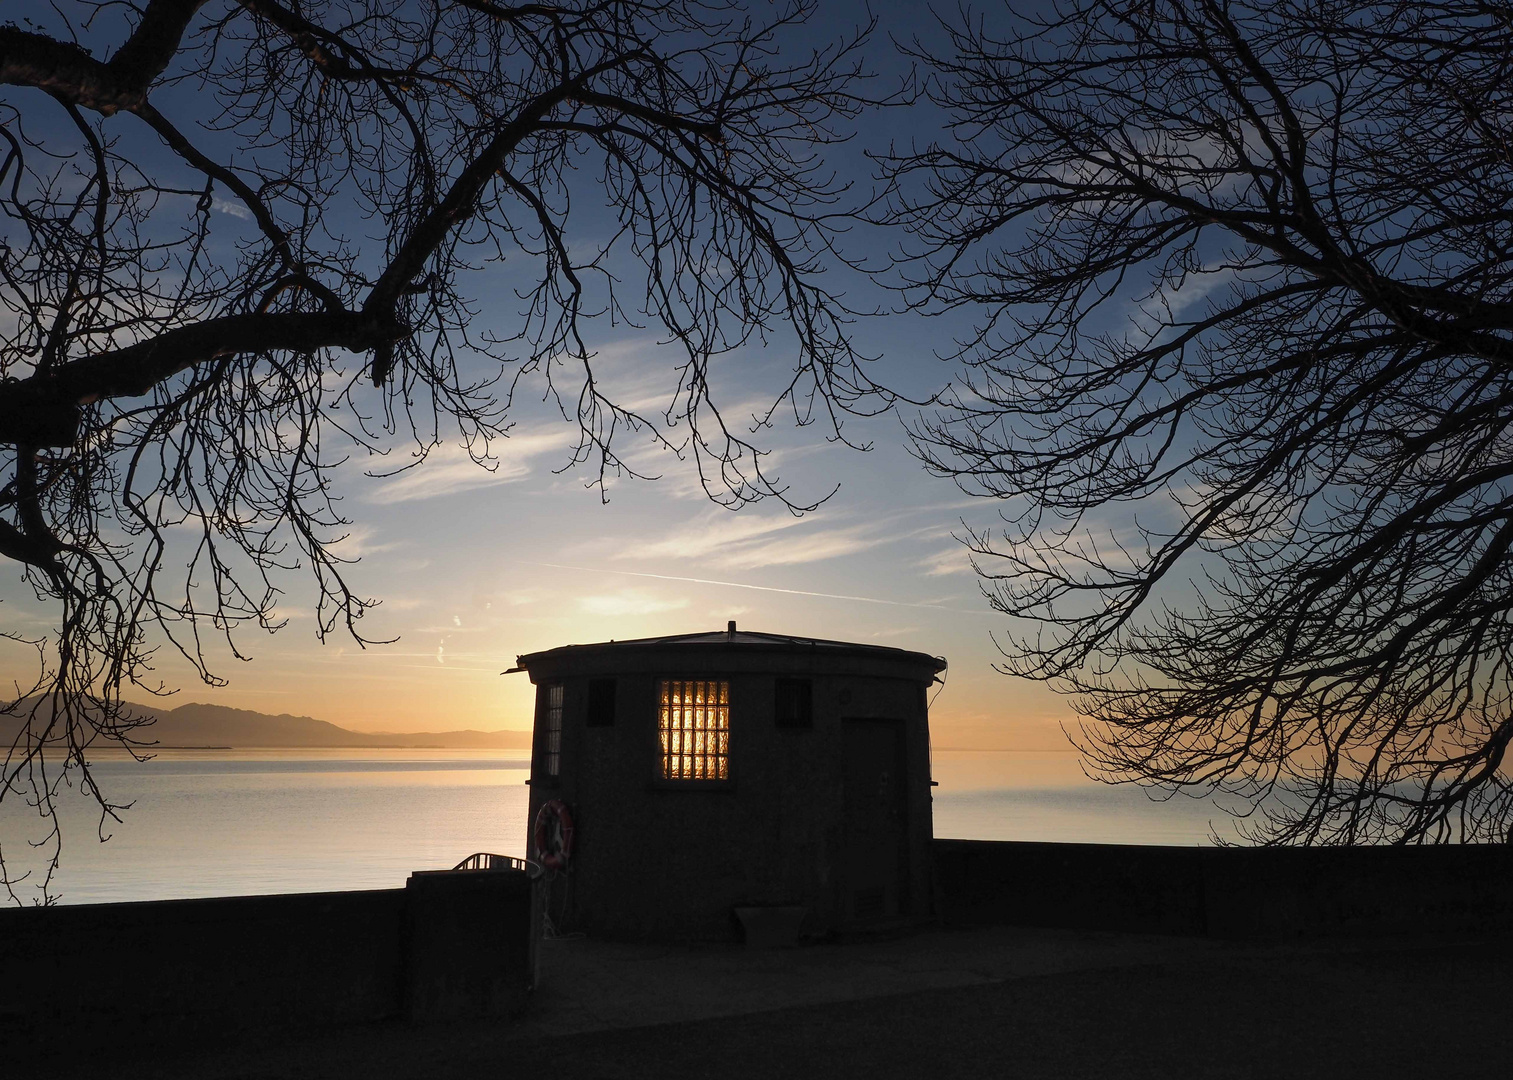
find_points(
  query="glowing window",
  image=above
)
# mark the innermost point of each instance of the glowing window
(693, 721)
(551, 715)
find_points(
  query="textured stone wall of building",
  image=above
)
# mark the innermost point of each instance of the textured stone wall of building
(672, 859)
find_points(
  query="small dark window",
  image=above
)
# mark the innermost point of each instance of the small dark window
(794, 703)
(601, 702)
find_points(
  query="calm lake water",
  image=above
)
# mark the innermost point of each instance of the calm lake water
(237, 823)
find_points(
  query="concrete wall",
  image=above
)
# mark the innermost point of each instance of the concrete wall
(1226, 892)
(451, 944)
(470, 944)
(670, 860)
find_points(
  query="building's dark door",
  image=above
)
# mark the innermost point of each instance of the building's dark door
(876, 820)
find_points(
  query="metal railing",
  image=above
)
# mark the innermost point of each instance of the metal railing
(484, 860)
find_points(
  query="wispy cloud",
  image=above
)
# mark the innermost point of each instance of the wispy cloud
(630, 602)
(402, 603)
(710, 536)
(747, 542)
(801, 548)
(894, 631)
(770, 588)
(235, 209)
(448, 469)
(359, 542)
(953, 560)
(1195, 287)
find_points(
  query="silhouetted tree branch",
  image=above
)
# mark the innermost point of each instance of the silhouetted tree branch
(1242, 384)
(210, 204)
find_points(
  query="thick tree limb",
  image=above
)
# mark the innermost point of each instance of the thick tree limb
(63, 70)
(1245, 302)
(385, 150)
(70, 74)
(43, 409)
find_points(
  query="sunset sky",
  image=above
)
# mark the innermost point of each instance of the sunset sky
(475, 567)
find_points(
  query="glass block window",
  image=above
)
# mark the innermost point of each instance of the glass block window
(693, 723)
(551, 719)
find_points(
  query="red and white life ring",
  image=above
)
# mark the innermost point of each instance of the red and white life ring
(553, 834)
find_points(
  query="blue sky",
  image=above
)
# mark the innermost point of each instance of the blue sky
(476, 566)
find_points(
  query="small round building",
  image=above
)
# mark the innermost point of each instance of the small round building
(706, 774)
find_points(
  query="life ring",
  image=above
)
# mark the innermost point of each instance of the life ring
(553, 834)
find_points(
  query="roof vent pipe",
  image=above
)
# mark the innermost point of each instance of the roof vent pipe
(730, 628)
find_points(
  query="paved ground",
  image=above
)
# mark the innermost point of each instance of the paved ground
(592, 985)
(941, 1003)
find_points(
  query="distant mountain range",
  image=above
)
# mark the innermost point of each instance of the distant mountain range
(194, 725)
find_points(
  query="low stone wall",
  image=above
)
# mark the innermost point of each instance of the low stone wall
(1226, 892)
(450, 944)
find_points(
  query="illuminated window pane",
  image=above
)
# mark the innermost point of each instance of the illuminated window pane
(552, 716)
(693, 723)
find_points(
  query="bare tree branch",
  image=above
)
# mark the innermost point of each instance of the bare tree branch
(197, 232)
(1242, 391)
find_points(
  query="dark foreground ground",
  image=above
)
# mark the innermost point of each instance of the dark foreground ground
(939, 1003)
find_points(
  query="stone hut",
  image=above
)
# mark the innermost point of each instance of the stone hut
(733, 777)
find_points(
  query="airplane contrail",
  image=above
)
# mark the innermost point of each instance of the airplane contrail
(763, 588)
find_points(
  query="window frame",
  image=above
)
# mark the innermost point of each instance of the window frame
(662, 755)
(803, 717)
(601, 706)
(552, 717)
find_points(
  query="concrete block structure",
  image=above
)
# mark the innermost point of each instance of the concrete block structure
(451, 945)
(716, 772)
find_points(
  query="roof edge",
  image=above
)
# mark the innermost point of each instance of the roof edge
(732, 639)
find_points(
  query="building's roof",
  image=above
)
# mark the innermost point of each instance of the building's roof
(744, 639)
